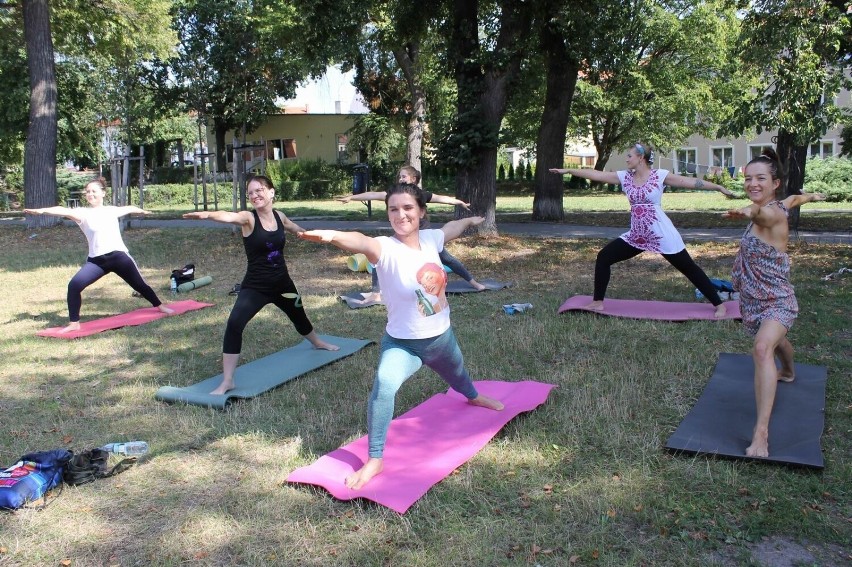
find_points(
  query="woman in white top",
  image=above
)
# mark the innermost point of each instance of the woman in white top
(107, 251)
(418, 331)
(650, 228)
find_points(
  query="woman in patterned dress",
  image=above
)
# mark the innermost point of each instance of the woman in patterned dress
(650, 229)
(761, 274)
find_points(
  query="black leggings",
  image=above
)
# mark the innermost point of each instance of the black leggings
(249, 303)
(95, 268)
(618, 251)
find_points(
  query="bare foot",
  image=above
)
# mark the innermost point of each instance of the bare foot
(72, 326)
(372, 296)
(363, 475)
(786, 376)
(759, 444)
(721, 311)
(486, 402)
(595, 306)
(223, 388)
(322, 345)
(166, 310)
(477, 286)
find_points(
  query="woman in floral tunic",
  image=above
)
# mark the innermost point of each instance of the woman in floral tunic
(650, 229)
(762, 276)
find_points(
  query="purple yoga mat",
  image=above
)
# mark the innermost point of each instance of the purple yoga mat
(424, 445)
(137, 317)
(657, 310)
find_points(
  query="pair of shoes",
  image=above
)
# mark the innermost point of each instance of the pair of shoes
(235, 290)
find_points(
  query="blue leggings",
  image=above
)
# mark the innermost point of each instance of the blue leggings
(447, 259)
(95, 268)
(400, 358)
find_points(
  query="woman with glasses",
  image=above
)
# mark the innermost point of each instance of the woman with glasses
(266, 280)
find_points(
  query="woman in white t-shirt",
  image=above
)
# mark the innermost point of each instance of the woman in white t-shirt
(418, 331)
(107, 252)
(650, 228)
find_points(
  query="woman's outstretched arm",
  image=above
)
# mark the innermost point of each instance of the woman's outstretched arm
(590, 174)
(683, 182)
(456, 228)
(241, 218)
(63, 212)
(354, 242)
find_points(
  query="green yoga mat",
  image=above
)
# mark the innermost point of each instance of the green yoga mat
(263, 374)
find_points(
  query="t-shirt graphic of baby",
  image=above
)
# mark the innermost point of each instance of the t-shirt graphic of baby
(433, 278)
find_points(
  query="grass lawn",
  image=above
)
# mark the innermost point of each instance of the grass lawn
(582, 480)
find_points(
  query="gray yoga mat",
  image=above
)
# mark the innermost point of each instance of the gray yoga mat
(263, 374)
(722, 420)
(461, 286)
(354, 300)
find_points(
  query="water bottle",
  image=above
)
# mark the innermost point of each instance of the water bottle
(173, 285)
(130, 449)
(428, 309)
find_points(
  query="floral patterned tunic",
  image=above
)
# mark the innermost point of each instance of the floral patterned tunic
(650, 228)
(762, 276)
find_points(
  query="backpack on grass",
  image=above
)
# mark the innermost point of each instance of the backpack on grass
(184, 275)
(32, 477)
(91, 465)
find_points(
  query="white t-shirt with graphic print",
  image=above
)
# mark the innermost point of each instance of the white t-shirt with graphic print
(413, 284)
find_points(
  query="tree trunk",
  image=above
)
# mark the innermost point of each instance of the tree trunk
(483, 91)
(40, 148)
(221, 161)
(550, 145)
(793, 161)
(408, 61)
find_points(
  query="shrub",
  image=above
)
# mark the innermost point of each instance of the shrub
(501, 173)
(310, 179)
(831, 176)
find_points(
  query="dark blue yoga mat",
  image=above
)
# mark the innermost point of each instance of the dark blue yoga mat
(722, 420)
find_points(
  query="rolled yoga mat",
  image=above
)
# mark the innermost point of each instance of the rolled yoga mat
(189, 286)
(424, 445)
(656, 310)
(722, 420)
(357, 263)
(137, 317)
(263, 374)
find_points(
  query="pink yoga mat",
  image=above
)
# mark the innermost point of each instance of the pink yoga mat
(424, 445)
(137, 317)
(657, 310)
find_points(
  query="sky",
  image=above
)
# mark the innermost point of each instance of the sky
(321, 95)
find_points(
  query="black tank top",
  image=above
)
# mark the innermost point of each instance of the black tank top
(267, 270)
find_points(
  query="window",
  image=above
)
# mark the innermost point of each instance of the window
(273, 150)
(342, 154)
(723, 157)
(822, 149)
(686, 159)
(755, 151)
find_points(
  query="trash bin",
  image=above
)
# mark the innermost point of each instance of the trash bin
(360, 178)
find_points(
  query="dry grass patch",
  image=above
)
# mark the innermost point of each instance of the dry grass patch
(581, 477)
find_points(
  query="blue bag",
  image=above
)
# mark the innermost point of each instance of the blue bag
(31, 477)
